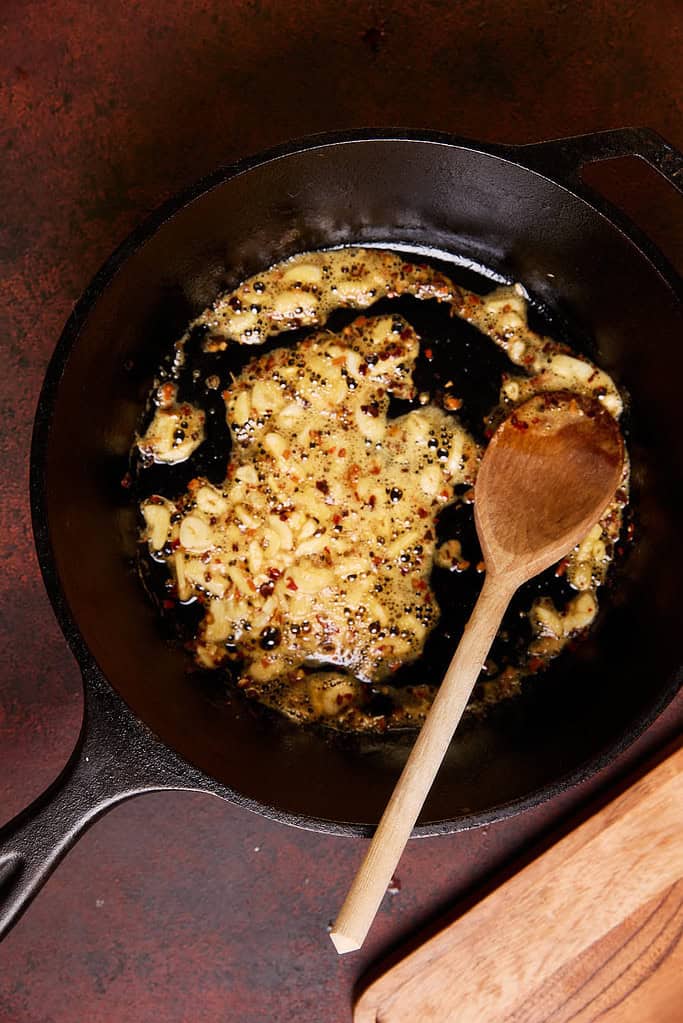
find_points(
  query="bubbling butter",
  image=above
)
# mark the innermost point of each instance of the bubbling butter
(175, 431)
(318, 549)
(313, 560)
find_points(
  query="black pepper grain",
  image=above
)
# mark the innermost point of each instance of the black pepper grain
(270, 638)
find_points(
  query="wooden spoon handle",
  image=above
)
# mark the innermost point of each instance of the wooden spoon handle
(375, 873)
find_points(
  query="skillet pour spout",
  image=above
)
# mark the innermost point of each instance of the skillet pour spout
(519, 214)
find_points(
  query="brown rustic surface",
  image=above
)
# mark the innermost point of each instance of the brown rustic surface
(179, 907)
(605, 950)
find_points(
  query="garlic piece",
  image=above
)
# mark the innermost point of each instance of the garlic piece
(211, 501)
(157, 522)
(303, 273)
(195, 534)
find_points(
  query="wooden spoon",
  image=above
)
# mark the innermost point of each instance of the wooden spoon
(547, 476)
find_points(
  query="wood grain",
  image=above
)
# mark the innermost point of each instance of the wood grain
(590, 930)
(632, 974)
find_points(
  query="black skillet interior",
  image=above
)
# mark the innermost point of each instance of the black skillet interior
(426, 197)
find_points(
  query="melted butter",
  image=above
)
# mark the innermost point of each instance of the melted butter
(175, 430)
(550, 366)
(304, 558)
(305, 290)
(319, 547)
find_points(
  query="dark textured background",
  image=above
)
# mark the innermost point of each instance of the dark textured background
(180, 907)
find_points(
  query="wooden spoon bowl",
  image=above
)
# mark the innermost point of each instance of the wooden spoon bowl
(548, 474)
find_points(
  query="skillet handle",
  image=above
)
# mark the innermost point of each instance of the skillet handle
(562, 159)
(116, 758)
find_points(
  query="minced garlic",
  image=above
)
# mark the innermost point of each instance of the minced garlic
(319, 546)
(313, 560)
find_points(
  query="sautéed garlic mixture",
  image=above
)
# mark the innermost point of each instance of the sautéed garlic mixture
(312, 562)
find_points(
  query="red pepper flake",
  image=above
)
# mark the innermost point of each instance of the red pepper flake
(326, 625)
(127, 482)
(429, 354)
(408, 268)
(422, 512)
(291, 585)
(323, 486)
(518, 424)
(274, 574)
(535, 664)
(371, 410)
(167, 393)
(451, 403)
(342, 452)
(561, 568)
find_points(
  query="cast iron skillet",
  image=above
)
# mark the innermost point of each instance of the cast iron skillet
(521, 211)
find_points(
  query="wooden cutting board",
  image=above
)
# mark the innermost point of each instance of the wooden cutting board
(592, 929)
